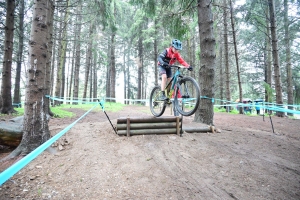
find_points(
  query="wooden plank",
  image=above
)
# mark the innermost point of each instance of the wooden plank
(146, 120)
(148, 131)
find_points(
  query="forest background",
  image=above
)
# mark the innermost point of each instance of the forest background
(101, 46)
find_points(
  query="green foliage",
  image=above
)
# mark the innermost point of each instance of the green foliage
(176, 26)
(270, 91)
(218, 109)
(105, 13)
(108, 106)
(59, 112)
(62, 110)
(20, 112)
(234, 111)
(222, 109)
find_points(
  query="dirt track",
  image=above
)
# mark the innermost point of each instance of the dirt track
(245, 161)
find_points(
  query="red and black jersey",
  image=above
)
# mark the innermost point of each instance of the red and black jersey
(170, 57)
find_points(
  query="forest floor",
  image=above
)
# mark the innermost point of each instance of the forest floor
(245, 160)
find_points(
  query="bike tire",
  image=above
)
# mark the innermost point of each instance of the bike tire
(157, 107)
(188, 101)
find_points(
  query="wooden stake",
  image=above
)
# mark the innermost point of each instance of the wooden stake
(128, 127)
(177, 126)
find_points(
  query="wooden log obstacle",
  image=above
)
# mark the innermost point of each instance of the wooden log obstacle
(152, 125)
(149, 125)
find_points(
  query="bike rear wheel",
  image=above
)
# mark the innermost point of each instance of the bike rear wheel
(157, 107)
(187, 96)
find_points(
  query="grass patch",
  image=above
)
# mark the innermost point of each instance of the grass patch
(20, 112)
(217, 109)
(233, 111)
(61, 110)
(108, 106)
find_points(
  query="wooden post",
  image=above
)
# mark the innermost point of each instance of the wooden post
(177, 126)
(128, 127)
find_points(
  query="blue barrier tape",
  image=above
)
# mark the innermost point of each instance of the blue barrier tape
(264, 105)
(9, 172)
(77, 101)
(205, 97)
(267, 107)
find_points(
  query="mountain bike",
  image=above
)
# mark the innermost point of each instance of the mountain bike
(182, 91)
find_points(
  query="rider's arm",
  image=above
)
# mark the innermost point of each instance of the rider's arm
(162, 57)
(181, 61)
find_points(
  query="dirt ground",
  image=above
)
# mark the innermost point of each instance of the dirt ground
(245, 160)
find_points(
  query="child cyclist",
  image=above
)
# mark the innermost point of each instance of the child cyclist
(168, 57)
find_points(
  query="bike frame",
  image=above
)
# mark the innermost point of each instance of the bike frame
(173, 81)
(179, 90)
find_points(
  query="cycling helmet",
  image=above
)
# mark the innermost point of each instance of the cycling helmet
(176, 44)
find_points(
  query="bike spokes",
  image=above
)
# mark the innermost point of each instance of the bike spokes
(157, 106)
(187, 103)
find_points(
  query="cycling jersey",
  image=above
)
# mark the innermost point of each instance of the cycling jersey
(170, 57)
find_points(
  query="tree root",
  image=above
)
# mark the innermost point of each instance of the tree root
(14, 154)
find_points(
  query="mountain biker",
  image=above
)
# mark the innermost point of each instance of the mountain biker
(168, 57)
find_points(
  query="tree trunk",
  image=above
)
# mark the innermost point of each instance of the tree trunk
(95, 79)
(62, 56)
(108, 77)
(278, 85)
(6, 107)
(128, 93)
(77, 57)
(113, 68)
(124, 69)
(221, 84)
(17, 95)
(35, 124)
(236, 56)
(54, 48)
(205, 112)
(63, 74)
(140, 66)
(58, 66)
(49, 64)
(267, 57)
(72, 68)
(290, 98)
(88, 60)
(226, 52)
(155, 53)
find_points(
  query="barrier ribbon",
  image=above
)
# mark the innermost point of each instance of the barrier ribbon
(12, 170)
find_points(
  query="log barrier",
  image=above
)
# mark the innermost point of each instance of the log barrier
(199, 129)
(152, 125)
(11, 132)
(149, 125)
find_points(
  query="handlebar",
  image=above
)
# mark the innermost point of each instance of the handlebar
(177, 66)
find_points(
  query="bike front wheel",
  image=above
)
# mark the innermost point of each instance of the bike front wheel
(157, 107)
(187, 96)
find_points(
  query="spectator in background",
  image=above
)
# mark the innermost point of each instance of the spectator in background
(257, 108)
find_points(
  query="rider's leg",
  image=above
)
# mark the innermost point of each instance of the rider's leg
(163, 81)
(165, 76)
